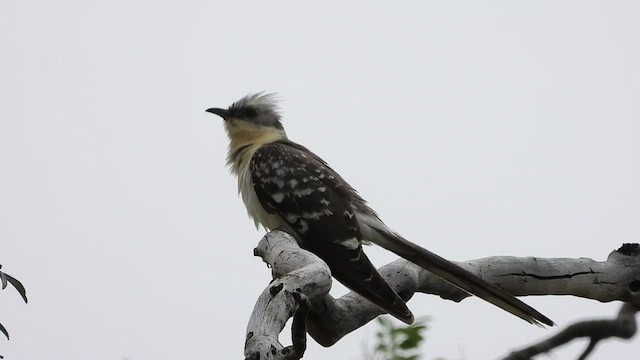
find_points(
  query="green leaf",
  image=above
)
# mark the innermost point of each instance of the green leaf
(408, 344)
(399, 342)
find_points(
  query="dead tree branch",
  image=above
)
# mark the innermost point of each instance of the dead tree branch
(623, 326)
(298, 271)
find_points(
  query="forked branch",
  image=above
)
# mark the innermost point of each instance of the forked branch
(622, 326)
(298, 273)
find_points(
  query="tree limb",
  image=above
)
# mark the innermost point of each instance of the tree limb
(623, 326)
(298, 271)
(295, 271)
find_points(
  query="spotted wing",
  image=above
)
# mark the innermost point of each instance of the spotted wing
(313, 200)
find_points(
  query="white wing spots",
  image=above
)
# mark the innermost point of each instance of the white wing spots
(315, 215)
(331, 177)
(321, 176)
(310, 178)
(302, 192)
(266, 180)
(303, 227)
(324, 202)
(280, 172)
(272, 180)
(291, 218)
(349, 214)
(278, 197)
(293, 183)
(322, 188)
(351, 243)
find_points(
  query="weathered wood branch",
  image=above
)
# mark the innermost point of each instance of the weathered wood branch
(298, 271)
(295, 271)
(623, 326)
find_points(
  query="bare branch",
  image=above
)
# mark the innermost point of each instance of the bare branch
(294, 271)
(298, 328)
(623, 326)
(297, 270)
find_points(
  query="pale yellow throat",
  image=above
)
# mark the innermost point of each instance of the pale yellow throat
(249, 136)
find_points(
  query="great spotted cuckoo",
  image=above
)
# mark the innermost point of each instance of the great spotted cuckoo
(285, 185)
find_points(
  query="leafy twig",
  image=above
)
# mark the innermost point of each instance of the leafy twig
(400, 343)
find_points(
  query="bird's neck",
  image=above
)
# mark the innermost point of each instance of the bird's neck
(245, 140)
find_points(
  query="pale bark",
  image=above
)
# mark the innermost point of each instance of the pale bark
(298, 271)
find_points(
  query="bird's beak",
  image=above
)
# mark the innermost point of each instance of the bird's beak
(223, 113)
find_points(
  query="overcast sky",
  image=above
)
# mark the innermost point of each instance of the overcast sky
(507, 128)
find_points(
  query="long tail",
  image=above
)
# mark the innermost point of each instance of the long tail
(362, 277)
(451, 272)
(353, 269)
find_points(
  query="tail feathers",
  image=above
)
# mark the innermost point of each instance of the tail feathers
(354, 270)
(370, 285)
(458, 276)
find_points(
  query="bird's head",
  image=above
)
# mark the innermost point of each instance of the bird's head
(252, 116)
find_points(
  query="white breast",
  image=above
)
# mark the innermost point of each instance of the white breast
(250, 199)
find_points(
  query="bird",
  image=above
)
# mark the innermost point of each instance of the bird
(284, 185)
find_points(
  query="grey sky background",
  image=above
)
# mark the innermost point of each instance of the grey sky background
(507, 128)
